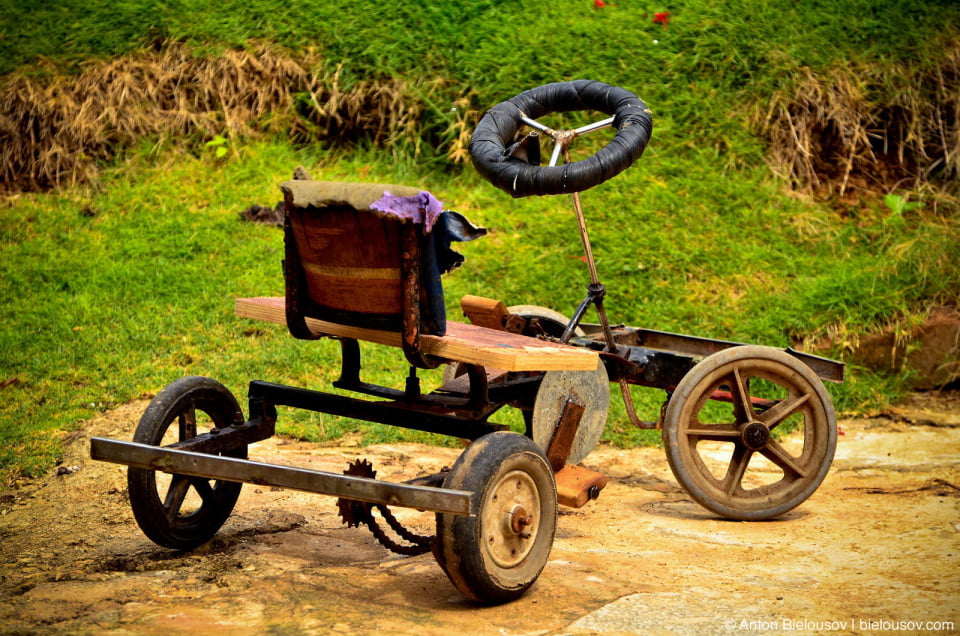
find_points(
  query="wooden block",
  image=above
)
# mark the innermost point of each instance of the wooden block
(462, 342)
(574, 484)
(484, 312)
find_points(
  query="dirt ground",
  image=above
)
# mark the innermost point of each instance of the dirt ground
(875, 549)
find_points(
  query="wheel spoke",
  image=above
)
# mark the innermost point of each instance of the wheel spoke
(779, 456)
(203, 488)
(188, 422)
(176, 493)
(737, 469)
(777, 413)
(741, 397)
(713, 432)
(597, 125)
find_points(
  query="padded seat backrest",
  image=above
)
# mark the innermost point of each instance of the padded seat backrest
(352, 264)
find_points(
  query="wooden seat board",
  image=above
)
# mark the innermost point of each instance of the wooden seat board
(462, 342)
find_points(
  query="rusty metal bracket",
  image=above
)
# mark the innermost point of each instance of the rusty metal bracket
(565, 433)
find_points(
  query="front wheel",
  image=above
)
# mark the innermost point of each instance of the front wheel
(177, 511)
(496, 555)
(750, 432)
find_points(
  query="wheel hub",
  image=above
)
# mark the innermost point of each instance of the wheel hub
(755, 435)
(519, 521)
(510, 519)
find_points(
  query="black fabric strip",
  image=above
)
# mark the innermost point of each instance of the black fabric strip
(499, 125)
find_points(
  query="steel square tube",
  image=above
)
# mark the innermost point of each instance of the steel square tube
(192, 464)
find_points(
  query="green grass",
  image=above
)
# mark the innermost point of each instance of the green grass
(487, 38)
(711, 60)
(112, 291)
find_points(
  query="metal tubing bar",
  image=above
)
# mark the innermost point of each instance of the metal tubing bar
(555, 157)
(585, 239)
(590, 298)
(533, 123)
(826, 369)
(583, 130)
(191, 464)
(392, 413)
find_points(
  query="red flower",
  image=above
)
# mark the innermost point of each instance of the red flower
(599, 4)
(661, 18)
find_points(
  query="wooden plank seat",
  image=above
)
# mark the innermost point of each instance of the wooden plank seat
(363, 261)
(462, 342)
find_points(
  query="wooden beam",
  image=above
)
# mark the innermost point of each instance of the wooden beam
(462, 342)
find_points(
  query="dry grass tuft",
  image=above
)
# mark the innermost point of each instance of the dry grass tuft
(383, 111)
(55, 129)
(860, 126)
(872, 126)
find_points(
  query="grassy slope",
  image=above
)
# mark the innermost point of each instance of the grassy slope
(112, 292)
(118, 291)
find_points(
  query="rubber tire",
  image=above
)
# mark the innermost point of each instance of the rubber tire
(499, 125)
(689, 392)
(183, 533)
(460, 548)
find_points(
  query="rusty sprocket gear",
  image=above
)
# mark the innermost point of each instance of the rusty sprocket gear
(356, 513)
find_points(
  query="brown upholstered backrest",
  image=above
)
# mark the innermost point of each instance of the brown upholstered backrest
(348, 264)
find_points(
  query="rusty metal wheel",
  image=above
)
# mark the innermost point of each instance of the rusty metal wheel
(550, 321)
(496, 555)
(590, 389)
(750, 432)
(176, 511)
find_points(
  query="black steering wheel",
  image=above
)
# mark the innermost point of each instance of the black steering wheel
(506, 163)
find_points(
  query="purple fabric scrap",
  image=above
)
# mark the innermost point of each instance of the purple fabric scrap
(422, 207)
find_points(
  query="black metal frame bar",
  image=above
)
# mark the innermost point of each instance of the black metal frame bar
(647, 343)
(427, 414)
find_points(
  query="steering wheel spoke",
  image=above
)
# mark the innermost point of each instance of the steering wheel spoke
(564, 138)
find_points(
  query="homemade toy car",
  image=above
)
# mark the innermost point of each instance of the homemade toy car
(363, 262)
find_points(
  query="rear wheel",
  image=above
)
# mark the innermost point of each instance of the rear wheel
(176, 511)
(496, 555)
